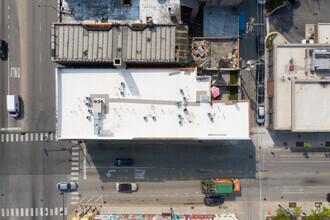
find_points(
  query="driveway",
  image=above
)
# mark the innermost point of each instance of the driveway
(290, 20)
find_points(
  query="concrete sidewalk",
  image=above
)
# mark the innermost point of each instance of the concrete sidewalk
(140, 209)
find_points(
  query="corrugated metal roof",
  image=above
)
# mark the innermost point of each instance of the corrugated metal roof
(77, 43)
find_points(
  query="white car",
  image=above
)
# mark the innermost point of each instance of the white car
(261, 2)
(67, 187)
(261, 115)
(126, 187)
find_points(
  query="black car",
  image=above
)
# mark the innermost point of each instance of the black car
(123, 162)
(328, 197)
(213, 200)
(260, 44)
(260, 92)
(260, 71)
(3, 50)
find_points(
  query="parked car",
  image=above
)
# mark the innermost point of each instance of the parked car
(260, 71)
(3, 50)
(123, 162)
(213, 200)
(261, 2)
(260, 92)
(261, 115)
(260, 44)
(67, 186)
(328, 197)
(126, 187)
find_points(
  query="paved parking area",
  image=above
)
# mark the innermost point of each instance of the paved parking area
(290, 20)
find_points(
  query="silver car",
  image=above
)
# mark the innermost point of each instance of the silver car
(126, 187)
(261, 115)
(67, 187)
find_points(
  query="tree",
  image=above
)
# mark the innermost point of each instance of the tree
(319, 214)
(282, 215)
(307, 146)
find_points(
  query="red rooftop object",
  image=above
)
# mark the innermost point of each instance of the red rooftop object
(215, 92)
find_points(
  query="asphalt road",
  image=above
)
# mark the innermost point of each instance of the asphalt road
(28, 175)
(290, 20)
(10, 69)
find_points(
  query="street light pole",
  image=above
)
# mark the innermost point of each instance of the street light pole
(63, 205)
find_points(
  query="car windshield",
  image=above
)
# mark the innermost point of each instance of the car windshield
(125, 187)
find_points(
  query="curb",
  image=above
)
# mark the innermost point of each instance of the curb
(275, 9)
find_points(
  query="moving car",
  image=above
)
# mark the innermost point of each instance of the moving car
(13, 107)
(261, 115)
(67, 186)
(260, 71)
(123, 162)
(3, 50)
(213, 200)
(260, 44)
(126, 187)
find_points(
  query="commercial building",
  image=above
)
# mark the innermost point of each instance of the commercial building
(298, 87)
(119, 44)
(137, 104)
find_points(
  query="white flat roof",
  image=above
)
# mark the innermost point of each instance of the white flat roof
(283, 78)
(310, 105)
(143, 104)
(323, 33)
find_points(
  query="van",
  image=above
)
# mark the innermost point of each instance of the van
(13, 105)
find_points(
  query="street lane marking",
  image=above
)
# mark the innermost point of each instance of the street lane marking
(51, 212)
(41, 212)
(74, 168)
(90, 198)
(12, 137)
(75, 153)
(7, 137)
(22, 212)
(46, 211)
(12, 213)
(27, 212)
(17, 137)
(36, 212)
(74, 173)
(22, 137)
(75, 163)
(10, 129)
(65, 211)
(17, 212)
(31, 211)
(26, 137)
(56, 211)
(74, 178)
(7, 212)
(2, 137)
(74, 158)
(31, 136)
(2, 212)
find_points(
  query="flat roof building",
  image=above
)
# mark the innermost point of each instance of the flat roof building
(106, 44)
(136, 104)
(298, 87)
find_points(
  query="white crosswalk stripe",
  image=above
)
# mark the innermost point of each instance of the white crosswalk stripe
(56, 211)
(17, 212)
(26, 212)
(41, 212)
(27, 136)
(7, 212)
(2, 212)
(75, 153)
(31, 211)
(51, 212)
(74, 158)
(74, 168)
(12, 212)
(36, 213)
(22, 212)
(74, 173)
(46, 211)
(74, 178)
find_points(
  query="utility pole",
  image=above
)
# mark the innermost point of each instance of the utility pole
(63, 205)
